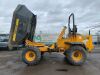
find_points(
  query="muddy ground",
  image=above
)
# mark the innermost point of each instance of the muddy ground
(52, 64)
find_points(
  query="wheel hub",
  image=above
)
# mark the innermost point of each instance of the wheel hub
(77, 56)
(30, 56)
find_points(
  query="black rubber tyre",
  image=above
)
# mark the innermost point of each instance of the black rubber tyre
(70, 52)
(37, 53)
(42, 53)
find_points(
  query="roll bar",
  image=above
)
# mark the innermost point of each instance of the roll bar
(74, 26)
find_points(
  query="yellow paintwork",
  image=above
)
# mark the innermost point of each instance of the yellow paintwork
(77, 56)
(15, 30)
(33, 43)
(44, 49)
(61, 42)
(30, 56)
(78, 38)
(52, 46)
(89, 43)
(41, 46)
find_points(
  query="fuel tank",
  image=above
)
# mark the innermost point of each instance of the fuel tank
(22, 27)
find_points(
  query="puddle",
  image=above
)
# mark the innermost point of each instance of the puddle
(65, 70)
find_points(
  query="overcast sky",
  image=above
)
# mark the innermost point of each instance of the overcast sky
(52, 15)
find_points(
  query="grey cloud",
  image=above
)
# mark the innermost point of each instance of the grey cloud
(53, 14)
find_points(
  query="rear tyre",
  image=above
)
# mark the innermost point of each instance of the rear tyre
(76, 55)
(31, 56)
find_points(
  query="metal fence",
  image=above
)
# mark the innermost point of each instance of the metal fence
(45, 37)
(96, 39)
(50, 38)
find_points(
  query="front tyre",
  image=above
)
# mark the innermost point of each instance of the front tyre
(31, 56)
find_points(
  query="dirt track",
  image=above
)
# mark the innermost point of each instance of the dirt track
(52, 64)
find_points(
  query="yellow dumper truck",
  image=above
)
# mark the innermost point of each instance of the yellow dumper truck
(23, 30)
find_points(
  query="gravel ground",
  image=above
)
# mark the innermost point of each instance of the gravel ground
(52, 64)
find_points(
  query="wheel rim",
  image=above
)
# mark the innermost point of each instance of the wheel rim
(30, 56)
(77, 56)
